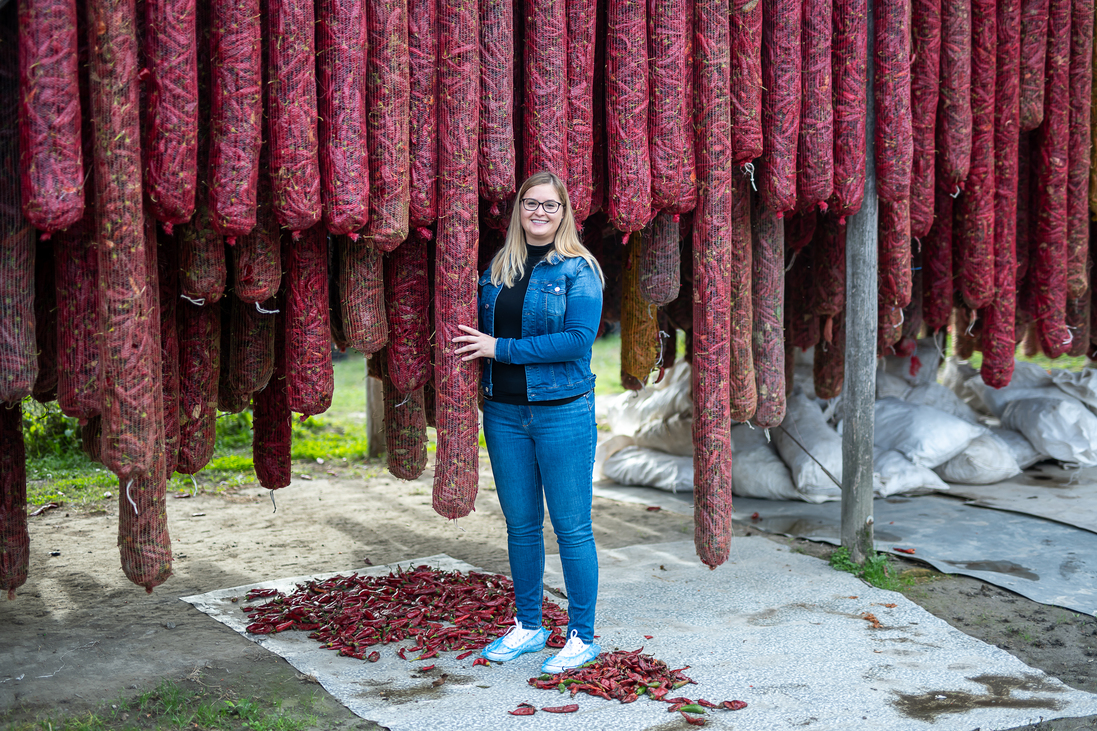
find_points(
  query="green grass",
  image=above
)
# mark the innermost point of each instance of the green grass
(320, 438)
(230, 463)
(605, 363)
(171, 707)
(877, 569)
(1064, 362)
(58, 470)
(349, 400)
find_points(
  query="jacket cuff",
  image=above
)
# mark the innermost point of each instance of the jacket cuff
(502, 350)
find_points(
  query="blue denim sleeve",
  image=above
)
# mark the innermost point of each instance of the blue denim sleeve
(581, 319)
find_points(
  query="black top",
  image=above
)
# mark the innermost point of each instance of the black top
(508, 381)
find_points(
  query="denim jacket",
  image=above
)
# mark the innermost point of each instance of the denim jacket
(560, 318)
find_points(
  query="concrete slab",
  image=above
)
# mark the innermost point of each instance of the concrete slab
(782, 631)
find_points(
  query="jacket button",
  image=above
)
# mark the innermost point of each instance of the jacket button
(556, 290)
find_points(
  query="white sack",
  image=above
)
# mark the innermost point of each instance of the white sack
(804, 420)
(918, 368)
(625, 413)
(894, 474)
(1020, 447)
(1082, 385)
(986, 460)
(924, 435)
(888, 385)
(955, 376)
(606, 449)
(747, 437)
(939, 397)
(997, 399)
(648, 468)
(756, 469)
(673, 435)
(1029, 375)
(1062, 429)
(804, 370)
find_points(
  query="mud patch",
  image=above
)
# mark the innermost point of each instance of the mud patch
(999, 694)
(400, 696)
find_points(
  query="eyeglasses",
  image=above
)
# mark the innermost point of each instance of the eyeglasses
(532, 205)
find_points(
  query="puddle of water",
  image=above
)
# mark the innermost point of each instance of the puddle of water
(999, 567)
(999, 694)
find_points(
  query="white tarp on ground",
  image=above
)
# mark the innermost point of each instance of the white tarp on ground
(781, 631)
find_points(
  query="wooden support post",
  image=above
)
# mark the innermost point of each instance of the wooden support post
(859, 393)
(375, 417)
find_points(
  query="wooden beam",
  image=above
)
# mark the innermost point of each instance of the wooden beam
(859, 393)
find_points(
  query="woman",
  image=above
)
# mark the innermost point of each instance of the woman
(540, 305)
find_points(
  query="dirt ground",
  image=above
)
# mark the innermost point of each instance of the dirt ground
(80, 635)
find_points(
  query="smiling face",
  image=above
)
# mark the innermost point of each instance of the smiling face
(541, 227)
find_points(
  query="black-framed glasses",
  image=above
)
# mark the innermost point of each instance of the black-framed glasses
(532, 205)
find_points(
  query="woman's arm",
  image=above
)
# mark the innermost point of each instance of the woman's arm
(581, 319)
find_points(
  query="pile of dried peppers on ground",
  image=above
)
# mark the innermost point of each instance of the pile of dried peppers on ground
(626, 676)
(451, 610)
(440, 610)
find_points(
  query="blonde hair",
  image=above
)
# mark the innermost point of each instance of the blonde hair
(509, 264)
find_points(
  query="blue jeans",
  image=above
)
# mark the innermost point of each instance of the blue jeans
(550, 447)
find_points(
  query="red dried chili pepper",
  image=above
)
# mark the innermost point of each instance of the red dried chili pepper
(463, 655)
(523, 709)
(734, 705)
(481, 661)
(375, 656)
(572, 708)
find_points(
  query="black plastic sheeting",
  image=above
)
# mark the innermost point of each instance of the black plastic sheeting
(1045, 561)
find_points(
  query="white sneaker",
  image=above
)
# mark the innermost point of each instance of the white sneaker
(516, 642)
(574, 654)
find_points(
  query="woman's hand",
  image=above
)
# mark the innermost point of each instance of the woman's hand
(480, 345)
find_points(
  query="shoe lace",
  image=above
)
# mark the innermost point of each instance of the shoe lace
(516, 635)
(574, 645)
